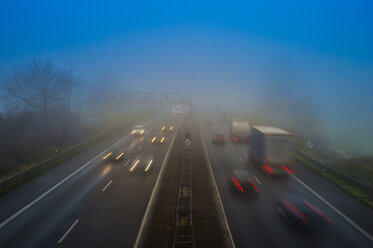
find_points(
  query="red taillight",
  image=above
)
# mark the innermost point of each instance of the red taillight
(265, 166)
(317, 211)
(296, 211)
(287, 169)
(235, 139)
(254, 185)
(237, 184)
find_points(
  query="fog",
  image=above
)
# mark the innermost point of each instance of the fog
(301, 89)
(321, 92)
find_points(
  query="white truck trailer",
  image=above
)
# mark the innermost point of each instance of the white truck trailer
(271, 148)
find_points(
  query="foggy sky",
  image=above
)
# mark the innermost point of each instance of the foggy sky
(234, 52)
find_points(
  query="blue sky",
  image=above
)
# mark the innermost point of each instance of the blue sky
(321, 48)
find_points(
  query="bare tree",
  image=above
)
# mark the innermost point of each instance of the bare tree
(37, 84)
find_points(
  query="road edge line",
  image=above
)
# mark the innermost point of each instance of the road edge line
(218, 201)
(33, 202)
(351, 222)
(150, 208)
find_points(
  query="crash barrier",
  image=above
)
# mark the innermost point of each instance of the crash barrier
(362, 186)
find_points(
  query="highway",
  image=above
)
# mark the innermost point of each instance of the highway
(86, 201)
(91, 202)
(254, 220)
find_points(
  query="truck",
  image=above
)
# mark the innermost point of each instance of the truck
(271, 149)
(240, 130)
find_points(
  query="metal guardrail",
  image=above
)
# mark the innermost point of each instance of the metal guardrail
(366, 188)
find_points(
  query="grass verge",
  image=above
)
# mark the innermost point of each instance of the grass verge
(37, 171)
(342, 184)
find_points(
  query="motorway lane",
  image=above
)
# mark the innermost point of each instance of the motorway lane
(254, 221)
(115, 217)
(42, 224)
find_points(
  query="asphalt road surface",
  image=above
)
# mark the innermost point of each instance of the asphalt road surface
(256, 222)
(86, 201)
(91, 202)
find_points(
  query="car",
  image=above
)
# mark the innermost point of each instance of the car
(167, 128)
(143, 162)
(242, 182)
(116, 153)
(218, 139)
(157, 139)
(300, 213)
(138, 130)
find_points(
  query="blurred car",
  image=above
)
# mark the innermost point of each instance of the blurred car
(143, 162)
(218, 139)
(157, 139)
(167, 128)
(138, 130)
(299, 212)
(243, 182)
(115, 153)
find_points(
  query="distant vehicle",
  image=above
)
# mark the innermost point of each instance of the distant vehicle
(218, 139)
(240, 130)
(138, 130)
(158, 139)
(116, 153)
(271, 148)
(177, 110)
(167, 128)
(299, 212)
(243, 182)
(143, 162)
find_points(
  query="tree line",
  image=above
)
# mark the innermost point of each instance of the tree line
(37, 118)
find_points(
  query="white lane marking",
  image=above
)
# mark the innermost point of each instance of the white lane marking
(107, 185)
(9, 219)
(242, 159)
(256, 179)
(232, 147)
(218, 195)
(127, 162)
(154, 195)
(68, 231)
(361, 230)
(16, 214)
